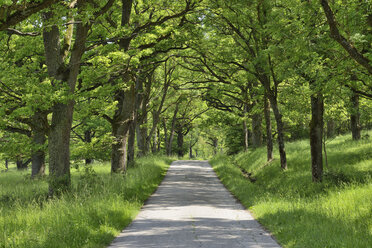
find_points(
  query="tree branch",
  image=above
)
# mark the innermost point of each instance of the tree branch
(335, 34)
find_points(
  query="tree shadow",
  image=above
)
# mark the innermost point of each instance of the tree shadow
(316, 230)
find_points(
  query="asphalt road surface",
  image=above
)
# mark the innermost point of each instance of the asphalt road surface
(192, 208)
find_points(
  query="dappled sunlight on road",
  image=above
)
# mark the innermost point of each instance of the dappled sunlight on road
(191, 208)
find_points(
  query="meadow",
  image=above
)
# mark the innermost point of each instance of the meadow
(97, 208)
(299, 213)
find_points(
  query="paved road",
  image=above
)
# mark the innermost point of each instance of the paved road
(191, 208)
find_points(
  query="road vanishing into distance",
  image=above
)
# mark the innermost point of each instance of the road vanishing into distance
(192, 208)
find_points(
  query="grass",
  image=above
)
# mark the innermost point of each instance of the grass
(335, 213)
(98, 207)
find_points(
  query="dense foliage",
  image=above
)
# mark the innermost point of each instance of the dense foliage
(100, 80)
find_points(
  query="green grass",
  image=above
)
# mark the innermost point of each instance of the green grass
(98, 207)
(336, 213)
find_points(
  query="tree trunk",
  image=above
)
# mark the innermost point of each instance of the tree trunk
(120, 133)
(256, 130)
(155, 138)
(246, 135)
(215, 146)
(316, 135)
(190, 149)
(59, 148)
(59, 135)
(6, 164)
(171, 134)
(131, 141)
(269, 137)
(165, 136)
(331, 128)
(123, 118)
(38, 157)
(272, 96)
(39, 132)
(280, 129)
(180, 143)
(88, 139)
(125, 109)
(22, 165)
(158, 138)
(143, 146)
(170, 143)
(245, 126)
(355, 117)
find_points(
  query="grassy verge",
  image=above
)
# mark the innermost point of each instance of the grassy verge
(336, 213)
(98, 208)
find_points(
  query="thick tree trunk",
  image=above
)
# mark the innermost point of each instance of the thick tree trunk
(256, 130)
(6, 164)
(120, 132)
(38, 157)
(39, 131)
(125, 110)
(269, 137)
(123, 118)
(59, 135)
(59, 148)
(316, 136)
(355, 117)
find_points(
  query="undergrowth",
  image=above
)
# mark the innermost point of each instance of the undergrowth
(299, 213)
(97, 208)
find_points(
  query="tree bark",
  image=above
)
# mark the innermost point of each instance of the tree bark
(280, 129)
(355, 117)
(246, 135)
(349, 47)
(38, 157)
(316, 136)
(119, 147)
(59, 135)
(215, 146)
(88, 139)
(123, 118)
(39, 129)
(190, 150)
(22, 165)
(124, 113)
(155, 135)
(269, 137)
(330, 128)
(132, 140)
(256, 130)
(180, 143)
(278, 118)
(171, 133)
